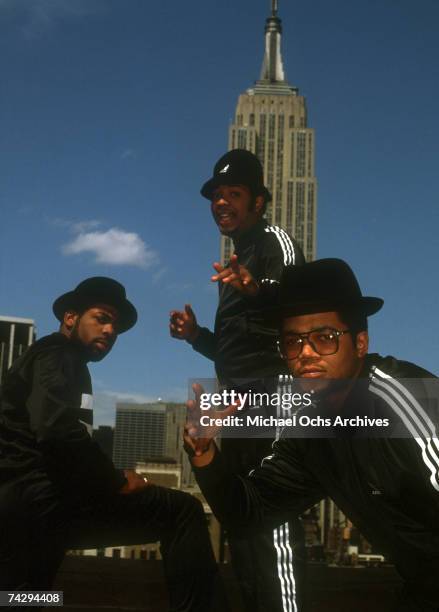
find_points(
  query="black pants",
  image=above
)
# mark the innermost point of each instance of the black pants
(36, 531)
(270, 567)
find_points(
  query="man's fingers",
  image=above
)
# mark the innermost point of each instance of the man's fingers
(231, 409)
(246, 277)
(190, 430)
(232, 278)
(201, 445)
(175, 330)
(188, 311)
(198, 390)
(234, 264)
(225, 272)
(176, 315)
(219, 269)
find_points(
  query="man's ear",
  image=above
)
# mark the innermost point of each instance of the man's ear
(70, 318)
(259, 203)
(362, 343)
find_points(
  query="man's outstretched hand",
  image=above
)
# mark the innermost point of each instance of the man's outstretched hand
(237, 276)
(198, 439)
(183, 324)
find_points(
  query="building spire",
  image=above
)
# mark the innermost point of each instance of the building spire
(272, 66)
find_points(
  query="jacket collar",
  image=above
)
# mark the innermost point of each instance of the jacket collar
(250, 236)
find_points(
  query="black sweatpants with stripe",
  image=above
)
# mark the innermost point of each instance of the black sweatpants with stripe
(270, 565)
(36, 529)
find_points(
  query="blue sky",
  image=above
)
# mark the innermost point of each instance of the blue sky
(113, 113)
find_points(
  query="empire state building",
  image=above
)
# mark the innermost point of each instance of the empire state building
(271, 121)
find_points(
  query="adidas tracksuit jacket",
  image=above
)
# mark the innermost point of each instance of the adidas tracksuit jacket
(244, 349)
(243, 345)
(387, 485)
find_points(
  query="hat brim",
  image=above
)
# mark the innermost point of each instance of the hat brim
(209, 186)
(365, 305)
(71, 301)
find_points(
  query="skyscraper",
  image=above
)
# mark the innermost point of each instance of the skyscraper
(139, 433)
(145, 431)
(16, 335)
(271, 121)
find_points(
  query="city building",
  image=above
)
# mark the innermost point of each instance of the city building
(139, 433)
(16, 335)
(150, 432)
(271, 121)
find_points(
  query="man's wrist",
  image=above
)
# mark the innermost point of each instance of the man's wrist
(200, 461)
(191, 339)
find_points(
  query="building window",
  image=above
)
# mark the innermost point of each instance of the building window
(300, 213)
(301, 158)
(271, 126)
(292, 155)
(310, 152)
(227, 249)
(290, 206)
(291, 121)
(252, 119)
(242, 139)
(261, 138)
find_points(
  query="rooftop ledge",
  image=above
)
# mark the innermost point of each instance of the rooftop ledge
(103, 584)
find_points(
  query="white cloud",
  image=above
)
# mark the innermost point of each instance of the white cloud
(34, 17)
(128, 154)
(115, 247)
(75, 227)
(84, 226)
(158, 274)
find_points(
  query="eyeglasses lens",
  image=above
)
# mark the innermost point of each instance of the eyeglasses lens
(322, 341)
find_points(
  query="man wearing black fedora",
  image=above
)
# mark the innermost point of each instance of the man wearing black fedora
(375, 452)
(58, 490)
(243, 348)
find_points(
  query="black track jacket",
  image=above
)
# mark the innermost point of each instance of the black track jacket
(45, 425)
(388, 487)
(243, 345)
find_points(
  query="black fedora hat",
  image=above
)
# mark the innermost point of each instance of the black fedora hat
(321, 286)
(237, 167)
(97, 290)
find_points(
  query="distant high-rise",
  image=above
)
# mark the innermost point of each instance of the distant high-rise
(139, 433)
(271, 121)
(148, 432)
(16, 335)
